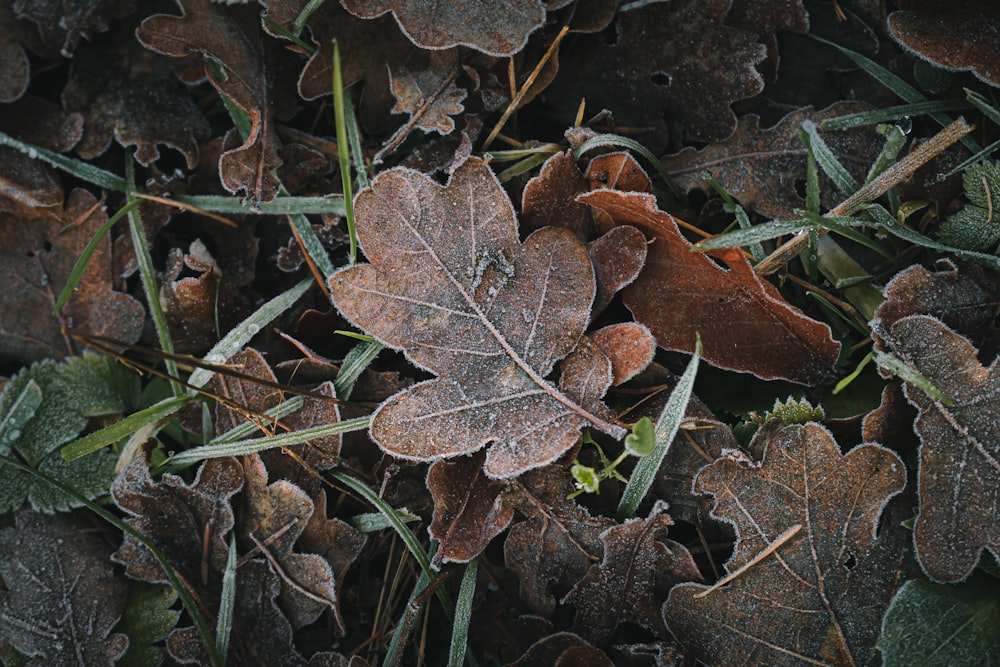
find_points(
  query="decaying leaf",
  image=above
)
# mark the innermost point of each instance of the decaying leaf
(470, 509)
(743, 321)
(451, 285)
(61, 25)
(819, 598)
(959, 36)
(238, 74)
(59, 598)
(623, 587)
(552, 549)
(429, 95)
(496, 29)
(759, 167)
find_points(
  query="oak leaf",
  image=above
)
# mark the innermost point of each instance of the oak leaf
(744, 323)
(429, 95)
(820, 596)
(451, 286)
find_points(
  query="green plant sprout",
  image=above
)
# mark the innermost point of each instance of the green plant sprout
(638, 443)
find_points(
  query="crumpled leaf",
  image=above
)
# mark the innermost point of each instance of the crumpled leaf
(59, 598)
(552, 549)
(665, 56)
(206, 28)
(819, 597)
(469, 508)
(496, 29)
(61, 24)
(126, 92)
(744, 323)
(759, 166)
(623, 586)
(65, 397)
(974, 227)
(959, 36)
(429, 95)
(450, 284)
(35, 262)
(618, 257)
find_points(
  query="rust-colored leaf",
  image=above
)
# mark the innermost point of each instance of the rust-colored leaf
(496, 29)
(550, 198)
(618, 256)
(552, 549)
(759, 167)
(450, 284)
(623, 586)
(959, 36)
(59, 597)
(206, 28)
(618, 171)
(35, 262)
(819, 598)
(743, 321)
(630, 346)
(470, 509)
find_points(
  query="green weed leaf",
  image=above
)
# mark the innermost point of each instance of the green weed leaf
(977, 226)
(147, 619)
(642, 439)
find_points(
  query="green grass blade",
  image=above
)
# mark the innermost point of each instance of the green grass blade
(355, 362)
(463, 614)
(354, 139)
(244, 430)
(312, 245)
(890, 114)
(88, 251)
(82, 170)
(666, 428)
(370, 522)
(123, 428)
(303, 17)
(739, 238)
(343, 152)
(241, 334)
(909, 375)
(827, 161)
(227, 601)
(287, 205)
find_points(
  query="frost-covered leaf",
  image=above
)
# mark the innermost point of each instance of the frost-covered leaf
(451, 285)
(59, 598)
(429, 95)
(977, 225)
(819, 597)
(550, 198)
(146, 620)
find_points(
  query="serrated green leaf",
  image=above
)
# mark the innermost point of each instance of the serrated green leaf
(977, 225)
(13, 417)
(931, 624)
(147, 619)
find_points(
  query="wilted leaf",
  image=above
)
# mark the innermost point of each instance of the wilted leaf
(652, 654)
(744, 323)
(208, 29)
(15, 68)
(133, 95)
(59, 597)
(819, 597)
(496, 29)
(429, 95)
(450, 284)
(974, 227)
(557, 543)
(470, 509)
(960, 452)
(61, 24)
(932, 624)
(759, 167)
(959, 36)
(664, 56)
(623, 587)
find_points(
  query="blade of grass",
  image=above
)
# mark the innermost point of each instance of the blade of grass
(900, 369)
(311, 245)
(889, 114)
(333, 205)
(303, 17)
(240, 432)
(463, 614)
(355, 362)
(123, 428)
(343, 153)
(82, 170)
(666, 428)
(227, 600)
(848, 379)
(354, 139)
(827, 161)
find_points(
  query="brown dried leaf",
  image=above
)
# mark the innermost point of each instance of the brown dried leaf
(667, 54)
(429, 95)
(206, 28)
(622, 588)
(630, 346)
(744, 323)
(36, 260)
(552, 549)
(820, 597)
(59, 597)
(550, 198)
(61, 24)
(470, 509)
(766, 20)
(549, 650)
(618, 171)
(126, 92)
(15, 69)
(450, 284)
(497, 29)
(960, 453)
(759, 167)
(618, 257)
(959, 36)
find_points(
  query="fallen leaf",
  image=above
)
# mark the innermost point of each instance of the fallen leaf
(664, 55)
(820, 596)
(652, 654)
(429, 95)
(617, 171)
(744, 323)
(450, 284)
(470, 509)
(127, 93)
(550, 198)
(205, 28)
(15, 68)
(766, 20)
(618, 257)
(61, 25)
(60, 597)
(499, 30)
(629, 345)
(623, 586)
(759, 167)
(549, 650)
(959, 37)
(960, 451)
(552, 549)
